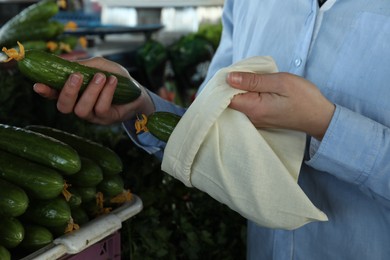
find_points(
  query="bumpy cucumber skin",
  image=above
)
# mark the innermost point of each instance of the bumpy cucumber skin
(52, 70)
(111, 186)
(13, 199)
(86, 193)
(89, 175)
(161, 124)
(48, 213)
(106, 158)
(37, 180)
(75, 200)
(39, 148)
(11, 232)
(35, 237)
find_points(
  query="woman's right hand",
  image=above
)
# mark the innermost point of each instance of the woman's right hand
(94, 104)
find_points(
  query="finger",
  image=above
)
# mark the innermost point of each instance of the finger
(103, 104)
(254, 82)
(246, 102)
(69, 93)
(45, 91)
(102, 64)
(85, 106)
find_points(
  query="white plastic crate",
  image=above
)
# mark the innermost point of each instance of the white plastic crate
(101, 230)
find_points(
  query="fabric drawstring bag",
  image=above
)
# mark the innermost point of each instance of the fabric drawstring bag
(253, 171)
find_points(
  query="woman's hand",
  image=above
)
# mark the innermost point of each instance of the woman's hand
(94, 105)
(282, 100)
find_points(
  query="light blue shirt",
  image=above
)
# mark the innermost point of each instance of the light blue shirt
(343, 48)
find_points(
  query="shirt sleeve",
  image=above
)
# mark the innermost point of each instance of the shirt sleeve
(355, 149)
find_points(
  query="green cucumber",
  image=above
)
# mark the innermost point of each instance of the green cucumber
(89, 175)
(39, 148)
(161, 124)
(86, 193)
(75, 200)
(71, 40)
(35, 237)
(48, 213)
(37, 180)
(32, 31)
(11, 232)
(40, 11)
(36, 45)
(4, 253)
(111, 186)
(107, 159)
(47, 68)
(13, 200)
(80, 216)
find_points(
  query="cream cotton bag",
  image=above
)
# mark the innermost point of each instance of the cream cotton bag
(219, 151)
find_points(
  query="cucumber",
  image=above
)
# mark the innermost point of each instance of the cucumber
(50, 69)
(86, 193)
(91, 208)
(111, 186)
(89, 175)
(40, 11)
(69, 39)
(4, 253)
(39, 148)
(161, 124)
(75, 200)
(13, 200)
(107, 159)
(35, 237)
(79, 216)
(11, 232)
(32, 31)
(37, 180)
(48, 213)
(36, 45)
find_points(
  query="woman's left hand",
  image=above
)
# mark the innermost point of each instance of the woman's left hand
(282, 100)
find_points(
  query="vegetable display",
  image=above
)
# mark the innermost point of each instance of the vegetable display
(32, 23)
(39, 148)
(39, 202)
(107, 159)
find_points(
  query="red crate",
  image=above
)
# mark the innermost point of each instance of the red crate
(108, 248)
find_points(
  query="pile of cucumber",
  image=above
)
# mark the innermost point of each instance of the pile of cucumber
(36, 28)
(52, 182)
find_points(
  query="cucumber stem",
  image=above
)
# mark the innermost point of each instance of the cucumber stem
(140, 124)
(14, 54)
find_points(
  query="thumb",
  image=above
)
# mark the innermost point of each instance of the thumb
(252, 82)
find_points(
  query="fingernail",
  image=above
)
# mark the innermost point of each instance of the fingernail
(99, 78)
(75, 79)
(235, 77)
(112, 80)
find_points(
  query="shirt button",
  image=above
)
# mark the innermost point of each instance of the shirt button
(298, 62)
